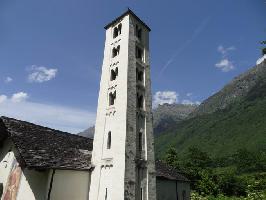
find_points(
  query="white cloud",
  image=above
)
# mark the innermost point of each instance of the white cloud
(19, 97)
(224, 51)
(3, 98)
(41, 74)
(162, 97)
(58, 117)
(8, 79)
(225, 65)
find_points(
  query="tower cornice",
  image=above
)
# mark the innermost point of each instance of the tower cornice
(128, 12)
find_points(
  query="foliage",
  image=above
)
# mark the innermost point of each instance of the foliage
(242, 178)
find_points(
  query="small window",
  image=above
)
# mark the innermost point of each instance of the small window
(115, 51)
(139, 75)
(115, 33)
(138, 32)
(139, 53)
(112, 97)
(119, 29)
(139, 101)
(141, 193)
(114, 74)
(105, 198)
(109, 140)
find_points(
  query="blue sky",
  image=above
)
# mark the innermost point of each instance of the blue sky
(51, 52)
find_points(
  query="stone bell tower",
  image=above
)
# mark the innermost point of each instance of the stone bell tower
(123, 148)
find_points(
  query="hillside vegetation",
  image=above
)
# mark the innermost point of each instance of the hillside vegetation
(223, 130)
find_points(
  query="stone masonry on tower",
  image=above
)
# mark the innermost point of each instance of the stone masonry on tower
(123, 147)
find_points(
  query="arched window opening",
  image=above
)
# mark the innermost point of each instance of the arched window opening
(139, 75)
(109, 140)
(112, 97)
(114, 74)
(115, 33)
(115, 51)
(139, 53)
(119, 29)
(139, 101)
(138, 32)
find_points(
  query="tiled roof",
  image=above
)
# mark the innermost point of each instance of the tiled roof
(44, 148)
(165, 171)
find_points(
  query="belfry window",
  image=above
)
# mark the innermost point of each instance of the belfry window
(117, 31)
(138, 32)
(109, 140)
(115, 51)
(114, 74)
(139, 101)
(139, 75)
(112, 97)
(139, 53)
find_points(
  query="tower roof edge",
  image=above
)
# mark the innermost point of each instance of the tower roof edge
(129, 11)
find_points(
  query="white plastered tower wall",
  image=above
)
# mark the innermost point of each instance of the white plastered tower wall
(124, 163)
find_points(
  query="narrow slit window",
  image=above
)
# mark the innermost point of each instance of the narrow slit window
(114, 74)
(112, 97)
(109, 140)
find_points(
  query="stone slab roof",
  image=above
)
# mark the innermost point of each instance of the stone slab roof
(45, 148)
(165, 171)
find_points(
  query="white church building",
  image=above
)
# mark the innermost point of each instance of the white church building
(39, 163)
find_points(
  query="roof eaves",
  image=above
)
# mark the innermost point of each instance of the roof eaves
(129, 11)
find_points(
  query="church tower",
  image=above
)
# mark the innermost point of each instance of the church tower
(123, 147)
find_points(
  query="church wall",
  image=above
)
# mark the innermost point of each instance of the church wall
(22, 183)
(70, 185)
(33, 185)
(172, 189)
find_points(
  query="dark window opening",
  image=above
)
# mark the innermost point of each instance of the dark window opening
(114, 74)
(115, 33)
(141, 193)
(139, 53)
(105, 194)
(139, 75)
(139, 101)
(115, 51)
(112, 97)
(119, 29)
(138, 32)
(109, 140)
